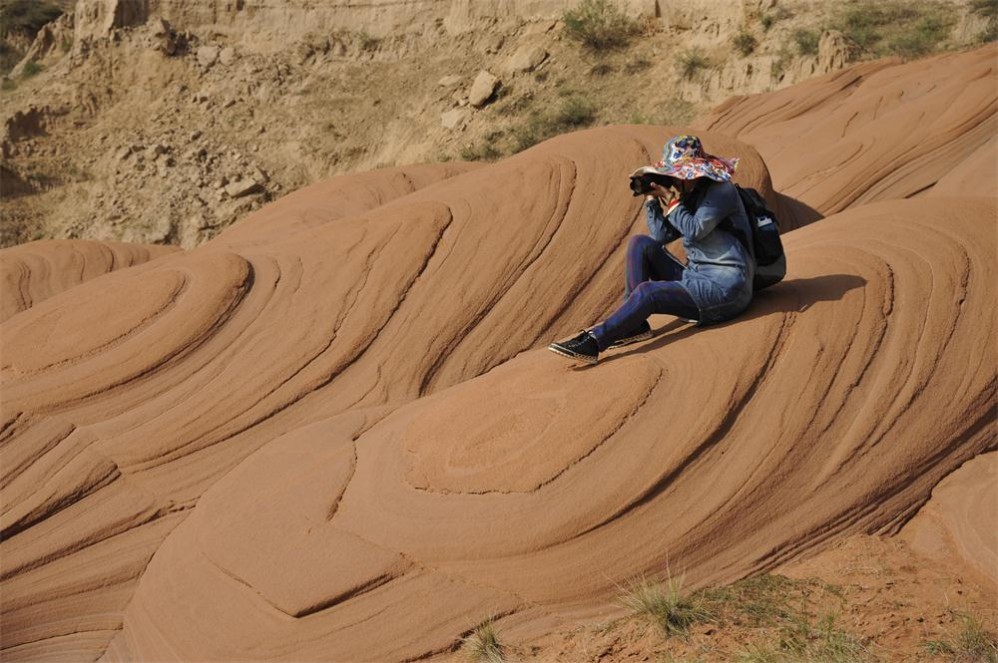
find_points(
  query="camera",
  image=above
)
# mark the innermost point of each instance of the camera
(641, 183)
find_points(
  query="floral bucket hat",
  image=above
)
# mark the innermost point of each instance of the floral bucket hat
(683, 158)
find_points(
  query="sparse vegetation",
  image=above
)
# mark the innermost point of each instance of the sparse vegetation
(691, 62)
(483, 644)
(573, 113)
(487, 150)
(894, 28)
(779, 65)
(31, 68)
(26, 16)
(745, 42)
(767, 21)
(599, 25)
(972, 643)
(66, 43)
(636, 66)
(807, 41)
(665, 604)
(674, 111)
(987, 9)
(7, 84)
(601, 69)
(367, 41)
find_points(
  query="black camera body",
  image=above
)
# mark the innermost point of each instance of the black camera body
(641, 184)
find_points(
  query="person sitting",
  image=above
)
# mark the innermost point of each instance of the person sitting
(715, 284)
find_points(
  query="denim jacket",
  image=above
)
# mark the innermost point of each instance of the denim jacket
(719, 268)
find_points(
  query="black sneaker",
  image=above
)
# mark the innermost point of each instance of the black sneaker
(640, 333)
(582, 347)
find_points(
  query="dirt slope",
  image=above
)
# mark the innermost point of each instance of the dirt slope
(332, 432)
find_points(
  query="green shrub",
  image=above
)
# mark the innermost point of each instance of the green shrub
(483, 644)
(922, 38)
(666, 605)
(599, 25)
(974, 642)
(691, 62)
(9, 56)
(745, 42)
(897, 27)
(985, 8)
(26, 16)
(31, 68)
(573, 113)
(767, 21)
(779, 65)
(807, 41)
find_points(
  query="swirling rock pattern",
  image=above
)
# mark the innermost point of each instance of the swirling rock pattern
(332, 433)
(876, 131)
(33, 272)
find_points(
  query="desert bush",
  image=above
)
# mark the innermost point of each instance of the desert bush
(807, 41)
(7, 84)
(908, 29)
(31, 68)
(767, 20)
(487, 150)
(367, 41)
(745, 42)
(601, 69)
(972, 643)
(66, 43)
(635, 66)
(779, 65)
(9, 57)
(573, 113)
(26, 16)
(599, 25)
(691, 62)
(665, 604)
(483, 644)
(922, 38)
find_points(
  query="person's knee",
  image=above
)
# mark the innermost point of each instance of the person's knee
(644, 296)
(640, 243)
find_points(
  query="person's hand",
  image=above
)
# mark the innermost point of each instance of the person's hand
(668, 196)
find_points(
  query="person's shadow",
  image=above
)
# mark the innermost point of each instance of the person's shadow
(796, 295)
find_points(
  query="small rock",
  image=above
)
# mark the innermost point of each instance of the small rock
(227, 56)
(454, 119)
(482, 89)
(450, 81)
(527, 58)
(123, 153)
(242, 187)
(207, 55)
(195, 135)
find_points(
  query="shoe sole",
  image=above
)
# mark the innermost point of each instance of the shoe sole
(572, 355)
(643, 336)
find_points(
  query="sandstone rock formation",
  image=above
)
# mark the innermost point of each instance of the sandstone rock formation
(332, 431)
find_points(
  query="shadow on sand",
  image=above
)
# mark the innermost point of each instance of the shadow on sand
(797, 295)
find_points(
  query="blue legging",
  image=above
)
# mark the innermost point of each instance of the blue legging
(652, 286)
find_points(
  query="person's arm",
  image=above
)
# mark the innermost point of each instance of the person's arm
(719, 203)
(658, 226)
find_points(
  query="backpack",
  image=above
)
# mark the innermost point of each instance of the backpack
(766, 247)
